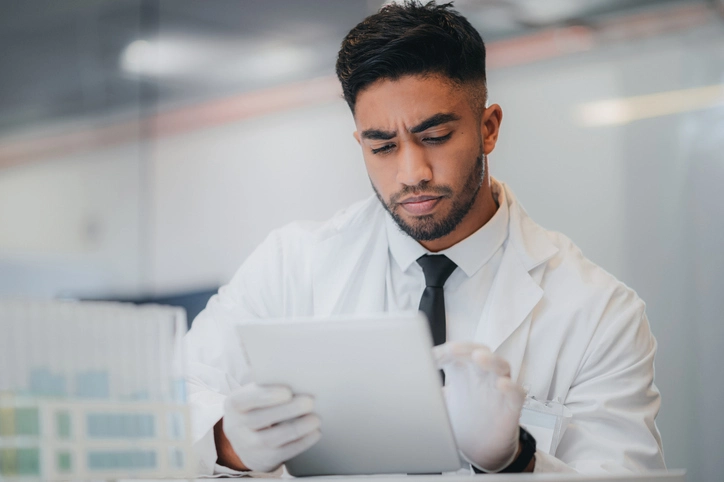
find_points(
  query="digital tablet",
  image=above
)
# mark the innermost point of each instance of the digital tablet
(376, 388)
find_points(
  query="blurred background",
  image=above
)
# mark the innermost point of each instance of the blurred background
(147, 146)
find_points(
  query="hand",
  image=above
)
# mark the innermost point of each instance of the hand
(484, 404)
(268, 425)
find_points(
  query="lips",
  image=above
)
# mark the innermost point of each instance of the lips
(417, 199)
(419, 205)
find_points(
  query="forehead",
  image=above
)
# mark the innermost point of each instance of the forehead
(407, 101)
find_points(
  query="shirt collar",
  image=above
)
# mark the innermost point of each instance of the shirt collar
(470, 254)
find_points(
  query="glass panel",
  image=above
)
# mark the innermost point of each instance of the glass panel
(29, 461)
(175, 426)
(121, 459)
(8, 462)
(7, 422)
(120, 425)
(62, 420)
(45, 383)
(176, 458)
(64, 462)
(27, 421)
(93, 384)
(25, 461)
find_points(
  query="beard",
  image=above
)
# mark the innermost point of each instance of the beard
(426, 227)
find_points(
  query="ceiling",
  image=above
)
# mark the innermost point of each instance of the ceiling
(80, 59)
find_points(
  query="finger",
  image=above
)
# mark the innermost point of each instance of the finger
(266, 417)
(439, 352)
(289, 431)
(440, 355)
(253, 396)
(295, 448)
(487, 361)
(455, 352)
(513, 393)
(449, 352)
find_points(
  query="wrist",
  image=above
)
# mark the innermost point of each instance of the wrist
(225, 454)
(523, 459)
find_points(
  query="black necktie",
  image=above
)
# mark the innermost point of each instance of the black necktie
(437, 269)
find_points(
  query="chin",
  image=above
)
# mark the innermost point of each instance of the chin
(419, 221)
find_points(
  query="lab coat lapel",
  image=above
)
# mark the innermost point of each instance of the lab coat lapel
(350, 271)
(512, 297)
(516, 289)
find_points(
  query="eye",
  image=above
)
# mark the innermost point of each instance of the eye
(384, 149)
(438, 140)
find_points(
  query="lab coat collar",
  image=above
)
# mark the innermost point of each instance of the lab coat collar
(470, 254)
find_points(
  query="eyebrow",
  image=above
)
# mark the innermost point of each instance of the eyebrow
(378, 135)
(433, 121)
(436, 120)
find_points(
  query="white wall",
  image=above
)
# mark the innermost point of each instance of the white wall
(217, 193)
(567, 176)
(71, 225)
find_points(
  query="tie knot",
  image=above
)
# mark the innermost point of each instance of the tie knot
(437, 269)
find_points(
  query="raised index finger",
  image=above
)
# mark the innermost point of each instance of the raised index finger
(456, 352)
(253, 396)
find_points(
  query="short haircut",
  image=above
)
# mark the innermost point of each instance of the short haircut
(412, 39)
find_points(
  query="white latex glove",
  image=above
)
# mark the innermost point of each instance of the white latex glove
(268, 425)
(484, 404)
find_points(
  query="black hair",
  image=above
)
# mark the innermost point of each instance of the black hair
(411, 39)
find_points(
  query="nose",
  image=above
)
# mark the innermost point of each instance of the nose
(412, 165)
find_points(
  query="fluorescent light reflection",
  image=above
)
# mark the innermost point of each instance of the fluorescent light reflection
(630, 109)
(214, 60)
(164, 58)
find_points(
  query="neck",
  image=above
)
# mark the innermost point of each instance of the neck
(481, 212)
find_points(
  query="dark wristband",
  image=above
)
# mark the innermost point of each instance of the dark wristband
(527, 452)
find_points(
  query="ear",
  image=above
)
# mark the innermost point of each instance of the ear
(356, 136)
(490, 127)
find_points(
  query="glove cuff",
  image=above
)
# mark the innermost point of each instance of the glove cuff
(519, 464)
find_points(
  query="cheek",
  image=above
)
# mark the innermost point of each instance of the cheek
(382, 173)
(451, 166)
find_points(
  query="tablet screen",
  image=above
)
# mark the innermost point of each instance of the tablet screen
(376, 388)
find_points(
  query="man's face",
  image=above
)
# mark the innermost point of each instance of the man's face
(424, 148)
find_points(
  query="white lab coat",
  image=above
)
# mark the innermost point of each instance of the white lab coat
(569, 330)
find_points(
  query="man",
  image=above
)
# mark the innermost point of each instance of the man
(517, 305)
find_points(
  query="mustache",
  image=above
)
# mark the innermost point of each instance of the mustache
(422, 188)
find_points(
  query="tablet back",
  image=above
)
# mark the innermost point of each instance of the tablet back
(376, 388)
